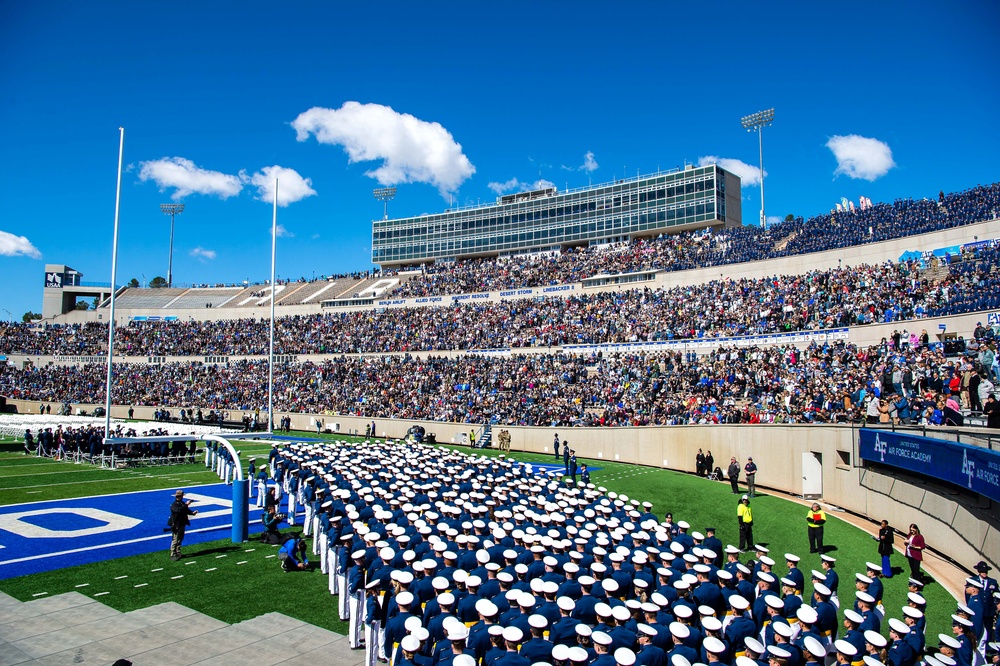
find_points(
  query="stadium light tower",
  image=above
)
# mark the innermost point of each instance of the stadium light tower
(172, 210)
(385, 195)
(756, 122)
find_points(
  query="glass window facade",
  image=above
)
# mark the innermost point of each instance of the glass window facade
(630, 208)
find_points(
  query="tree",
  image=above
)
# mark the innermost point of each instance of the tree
(30, 316)
(157, 283)
(133, 283)
(82, 305)
(789, 218)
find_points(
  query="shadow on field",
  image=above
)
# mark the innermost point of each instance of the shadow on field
(212, 551)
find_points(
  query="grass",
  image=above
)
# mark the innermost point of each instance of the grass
(230, 582)
(235, 592)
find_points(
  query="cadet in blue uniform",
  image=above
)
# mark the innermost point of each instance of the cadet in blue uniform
(990, 587)
(512, 637)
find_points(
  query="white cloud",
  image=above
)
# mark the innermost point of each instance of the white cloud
(280, 231)
(291, 186)
(187, 178)
(515, 185)
(202, 254)
(860, 157)
(749, 174)
(411, 150)
(17, 246)
(511, 185)
(589, 163)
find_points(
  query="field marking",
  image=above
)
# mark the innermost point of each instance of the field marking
(155, 570)
(176, 577)
(68, 471)
(33, 492)
(212, 569)
(83, 585)
(191, 562)
(109, 545)
(218, 556)
(250, 550)
(134, 476)
(267, 557)
(243, 562)
(39, 594)
(83, 497)
(141, 585)
(120, 577)
(101, 594)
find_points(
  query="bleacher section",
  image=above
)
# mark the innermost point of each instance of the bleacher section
(307, 292)
(204, 297)
(146, 298)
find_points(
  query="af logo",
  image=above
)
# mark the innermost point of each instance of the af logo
(880, 448)
(968, 467)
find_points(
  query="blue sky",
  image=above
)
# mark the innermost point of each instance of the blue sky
(453, 100)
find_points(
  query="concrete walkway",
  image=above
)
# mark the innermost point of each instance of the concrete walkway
(74, 629)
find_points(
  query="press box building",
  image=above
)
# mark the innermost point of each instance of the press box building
(545, 220)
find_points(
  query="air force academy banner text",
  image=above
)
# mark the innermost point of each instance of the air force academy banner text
(971, 467)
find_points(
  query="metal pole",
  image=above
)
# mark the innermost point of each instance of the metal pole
(170, 257)
(114, 281)
(760, 136)
(270, 362)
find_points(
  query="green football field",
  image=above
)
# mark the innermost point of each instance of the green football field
(235, 582)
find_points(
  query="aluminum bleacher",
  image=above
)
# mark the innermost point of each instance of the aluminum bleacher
(257, 295)
(205, 297)
(138, 297)
(308, 292)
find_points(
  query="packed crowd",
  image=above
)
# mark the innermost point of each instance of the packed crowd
(684, 251)
(833, 298)
(452, 560)
(821, 383)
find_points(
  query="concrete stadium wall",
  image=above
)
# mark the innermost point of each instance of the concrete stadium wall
(965, 528)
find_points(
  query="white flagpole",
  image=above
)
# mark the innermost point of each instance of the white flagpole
(114, 282)
(270, 362)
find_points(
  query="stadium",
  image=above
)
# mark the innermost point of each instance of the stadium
(748, 343)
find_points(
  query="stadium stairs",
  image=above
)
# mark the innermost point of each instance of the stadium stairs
(73, 628)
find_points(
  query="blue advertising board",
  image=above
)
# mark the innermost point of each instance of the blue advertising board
(971, 467)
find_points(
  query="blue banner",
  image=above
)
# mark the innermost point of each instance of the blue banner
(971, 467)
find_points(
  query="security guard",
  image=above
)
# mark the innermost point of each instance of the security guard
(815, 519)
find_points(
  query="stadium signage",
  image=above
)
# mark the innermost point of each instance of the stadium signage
(80, 359)
(993, 319)
(689, 344)
(970, 467)
(517, 292)
(466, 297)
(430, 299)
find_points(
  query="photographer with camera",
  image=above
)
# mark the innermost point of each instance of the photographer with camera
(292, 554)
(178, 522)
(271, 519)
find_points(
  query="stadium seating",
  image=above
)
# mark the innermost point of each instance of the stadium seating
(817, 300)
(211, 297)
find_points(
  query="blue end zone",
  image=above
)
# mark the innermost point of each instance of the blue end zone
(42, 536)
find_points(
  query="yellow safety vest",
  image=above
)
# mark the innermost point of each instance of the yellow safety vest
(819, 515)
